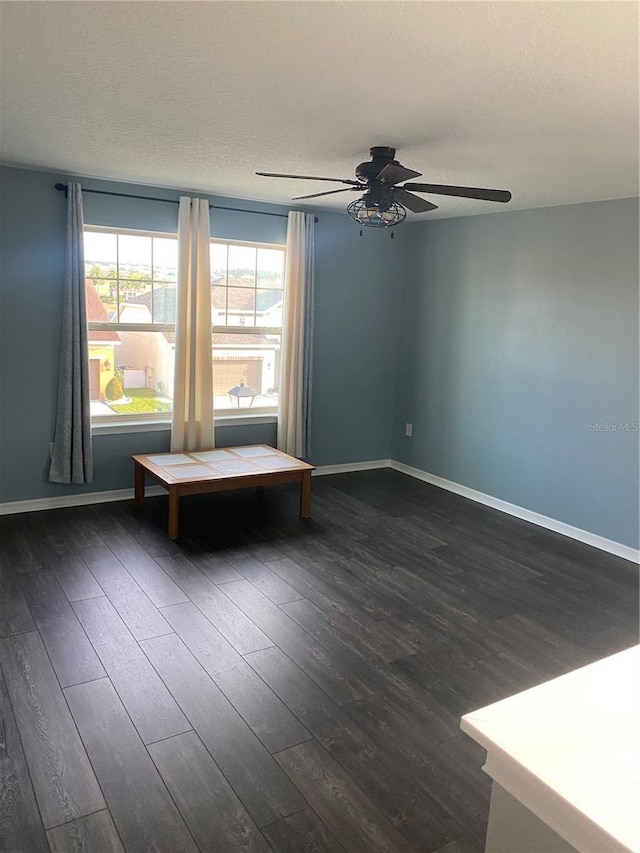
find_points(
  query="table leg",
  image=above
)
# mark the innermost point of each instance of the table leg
(138, 484)
(305, 495)
(174, 497)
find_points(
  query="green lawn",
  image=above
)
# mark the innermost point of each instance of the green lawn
(142, 400)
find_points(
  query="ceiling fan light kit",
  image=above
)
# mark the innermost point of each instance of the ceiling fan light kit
(366, 212)
(383, 203)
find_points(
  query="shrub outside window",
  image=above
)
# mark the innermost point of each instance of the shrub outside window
(130, 285)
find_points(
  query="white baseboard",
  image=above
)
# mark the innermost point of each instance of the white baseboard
(86, 498)
(608, 545)
(616, 548)
(322, 470)
(82, 499)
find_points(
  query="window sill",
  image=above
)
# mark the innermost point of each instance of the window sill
(117, 427)
(243, 419)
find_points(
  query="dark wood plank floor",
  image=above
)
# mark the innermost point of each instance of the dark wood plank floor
(266, 683)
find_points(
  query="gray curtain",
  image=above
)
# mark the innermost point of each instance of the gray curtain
(72, 454)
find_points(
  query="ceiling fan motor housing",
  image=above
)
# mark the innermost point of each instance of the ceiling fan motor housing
(381, 156)
(379, 195)
(383, 152)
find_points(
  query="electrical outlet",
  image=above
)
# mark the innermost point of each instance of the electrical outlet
(408, 430)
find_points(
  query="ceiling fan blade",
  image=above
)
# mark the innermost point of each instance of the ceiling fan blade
(392, 174)
(307, 178)
(331, 192)
(413, 202)
(462, 192)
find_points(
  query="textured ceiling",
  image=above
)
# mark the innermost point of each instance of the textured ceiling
(539, 98)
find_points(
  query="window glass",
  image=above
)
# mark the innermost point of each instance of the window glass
(270, 270)
(134, 256)
(131, 285)
(218, 261)
(219, 296)
(245, 371)
(165, 259)
(130, 373)
(241, 306)
(101, 251)
(103, 308)
(269, 308)
(164, 302)
(135, 304)
(242, 266)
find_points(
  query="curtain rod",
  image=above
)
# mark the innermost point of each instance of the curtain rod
(61, 187)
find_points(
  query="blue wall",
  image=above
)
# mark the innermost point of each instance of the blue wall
(359, 283)
(501, 338)
(356, 310)
(520, 337)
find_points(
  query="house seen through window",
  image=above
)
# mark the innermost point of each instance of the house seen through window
(130, 284)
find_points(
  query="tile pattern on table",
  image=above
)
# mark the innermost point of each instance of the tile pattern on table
(163, 459)
(187, 472)
(250, 452)
(274, 462)
(234, 466)
(212, 455)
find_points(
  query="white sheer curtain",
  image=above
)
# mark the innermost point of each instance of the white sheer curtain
(72, 454)
(294, 406)
(192, 421)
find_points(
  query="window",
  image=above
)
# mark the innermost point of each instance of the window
(131, 306)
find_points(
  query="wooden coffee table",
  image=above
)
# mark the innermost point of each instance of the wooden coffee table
(199, 472)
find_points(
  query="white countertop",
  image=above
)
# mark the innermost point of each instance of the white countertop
(569, 750)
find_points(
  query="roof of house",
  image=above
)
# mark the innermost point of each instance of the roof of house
(244, 339)
(164, 303)
(243, 298)
(239, 299)
(97, 313)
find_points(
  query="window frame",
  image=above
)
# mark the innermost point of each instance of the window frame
(107, 424)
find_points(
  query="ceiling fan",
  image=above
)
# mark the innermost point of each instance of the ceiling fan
(383, 202)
